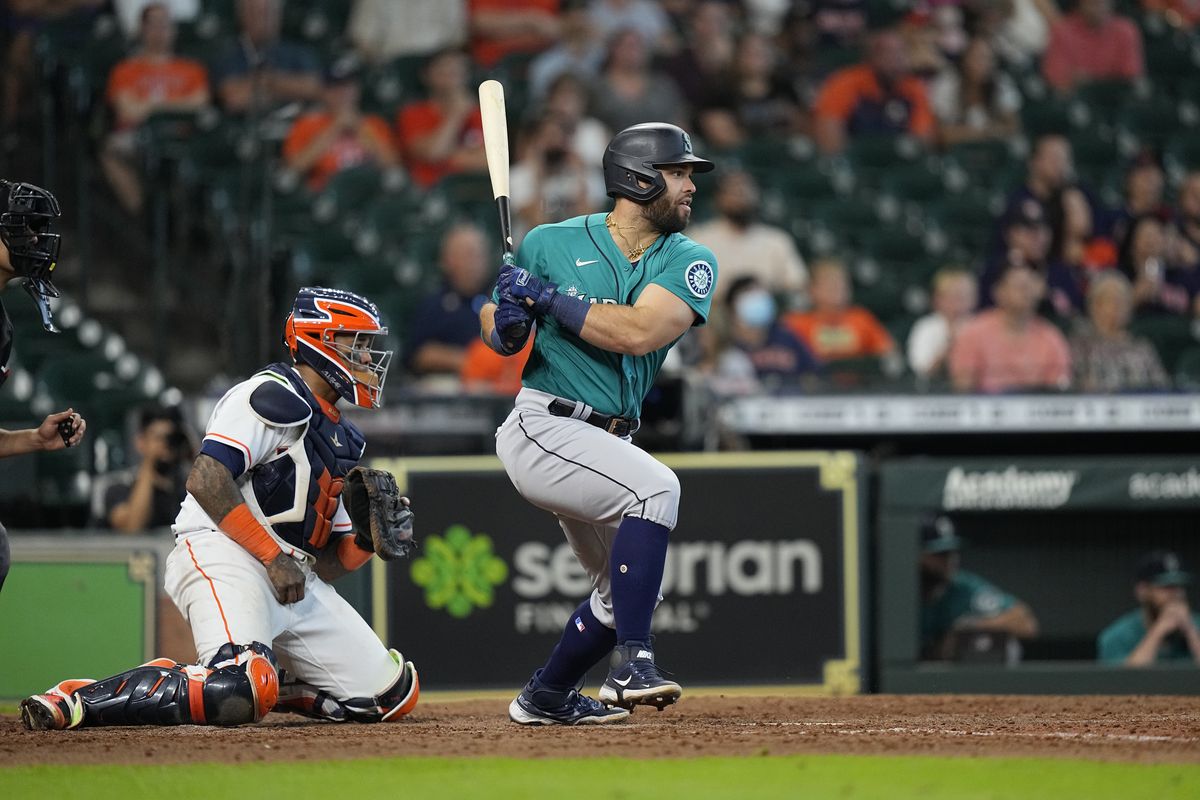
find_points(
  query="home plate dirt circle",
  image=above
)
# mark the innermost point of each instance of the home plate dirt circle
(1142, 729)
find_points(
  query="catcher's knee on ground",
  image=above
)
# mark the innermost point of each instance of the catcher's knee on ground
(394, 702)
(240, 684)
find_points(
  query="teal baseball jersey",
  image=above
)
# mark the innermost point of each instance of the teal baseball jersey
(580, 256)
(967, 595)
(1121, 638)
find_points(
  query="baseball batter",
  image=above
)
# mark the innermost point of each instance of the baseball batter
(263, 529)
(28, 250)
(610, 294)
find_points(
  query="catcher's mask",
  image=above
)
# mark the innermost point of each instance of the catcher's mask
(26, 215)
(638, 152)
(333, 331)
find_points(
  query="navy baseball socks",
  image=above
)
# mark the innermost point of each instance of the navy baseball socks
(638, 557)
(552, 695)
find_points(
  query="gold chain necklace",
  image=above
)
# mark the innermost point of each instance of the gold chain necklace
(632, 254)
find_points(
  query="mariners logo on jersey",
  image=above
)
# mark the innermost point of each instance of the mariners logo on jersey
(699, 278)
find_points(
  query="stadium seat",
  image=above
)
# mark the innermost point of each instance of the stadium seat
(872, 156)
(1169, 56)
(919, 182)
(1187, 370)
(1153, 121)
(985, 157)
(850, 219)
(350, 191)
(1052, 115)
(1105, 99)
(967, 219)
(1183, 152)
(1171, 335)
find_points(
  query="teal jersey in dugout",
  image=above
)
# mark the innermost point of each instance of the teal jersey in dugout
(966, 595)
(579, 255)
(1118, 640)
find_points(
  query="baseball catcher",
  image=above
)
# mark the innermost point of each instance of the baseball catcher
(29, 251)
(265, 526)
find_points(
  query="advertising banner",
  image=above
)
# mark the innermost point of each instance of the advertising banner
(762, 582)
(1042, 484)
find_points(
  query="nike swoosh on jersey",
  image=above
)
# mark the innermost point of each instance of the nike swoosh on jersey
(581, 263)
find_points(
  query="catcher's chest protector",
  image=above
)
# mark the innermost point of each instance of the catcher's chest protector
(323, 456)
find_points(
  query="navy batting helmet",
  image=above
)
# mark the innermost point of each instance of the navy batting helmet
(637, 152)
(26, 215)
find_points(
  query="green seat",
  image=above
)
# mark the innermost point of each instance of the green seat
(1052, 115)
(983, 158)
(806, 183)
(919, 182)
(1187, 369)
(967, 219)
(1183, 152)
(351, 191)
(74, 379)
(873, 156)
(1170, 335)
(1169, 56)
(1095, 151)
(1155, 120)
(894, 243)
(850, 219)
(1105, 99)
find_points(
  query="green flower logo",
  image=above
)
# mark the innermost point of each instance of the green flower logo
(458, 571)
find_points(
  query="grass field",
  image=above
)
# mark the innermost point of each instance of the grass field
(579, 779)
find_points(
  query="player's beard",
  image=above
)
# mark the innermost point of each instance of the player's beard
(665, 214)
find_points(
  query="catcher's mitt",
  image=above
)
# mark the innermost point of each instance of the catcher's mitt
(382, 519)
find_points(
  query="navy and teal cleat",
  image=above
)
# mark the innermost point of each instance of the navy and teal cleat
(538, 704)
(634, 680)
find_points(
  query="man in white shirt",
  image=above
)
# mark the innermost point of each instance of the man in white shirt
(955, 295)
(745, 246)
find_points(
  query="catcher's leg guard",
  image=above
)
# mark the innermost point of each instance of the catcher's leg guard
(239, 685)
(388, 706)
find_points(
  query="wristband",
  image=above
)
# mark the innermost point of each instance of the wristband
(569, 311)
(241, 525)
(350, 555)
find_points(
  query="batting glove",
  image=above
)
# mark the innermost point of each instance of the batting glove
(509, 315)
(522, 286)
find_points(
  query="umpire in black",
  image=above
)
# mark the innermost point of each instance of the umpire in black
(29, 251)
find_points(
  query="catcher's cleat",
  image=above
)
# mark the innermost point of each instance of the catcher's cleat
(539, 705)
(633, 679)
(56, 710)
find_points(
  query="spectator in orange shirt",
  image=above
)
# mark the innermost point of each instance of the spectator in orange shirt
(1010, 347)
(444, 133)
(484, 371)
(877, 97)
(505, 27)
(1091, 44)
(834, 329)
(152, 80)
(338, 136)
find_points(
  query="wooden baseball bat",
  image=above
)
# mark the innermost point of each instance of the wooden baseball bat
(495, 146)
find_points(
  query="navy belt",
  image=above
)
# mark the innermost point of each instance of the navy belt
(617, 426)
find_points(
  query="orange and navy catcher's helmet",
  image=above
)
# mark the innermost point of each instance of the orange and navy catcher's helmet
(352, 367)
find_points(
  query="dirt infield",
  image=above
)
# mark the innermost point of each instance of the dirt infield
(1145, 729)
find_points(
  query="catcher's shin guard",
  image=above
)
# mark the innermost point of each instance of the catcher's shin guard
(240, 684)
(390, 705)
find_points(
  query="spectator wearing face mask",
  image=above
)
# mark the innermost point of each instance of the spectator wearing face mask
(756, 351)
